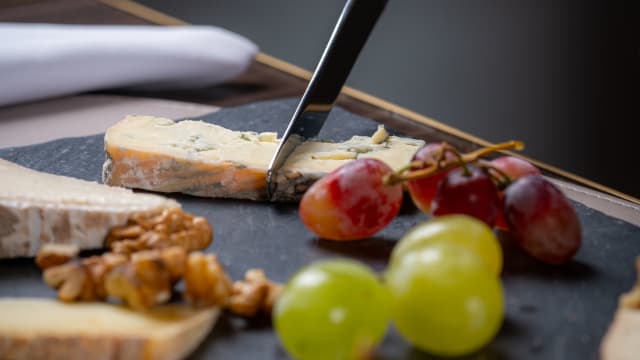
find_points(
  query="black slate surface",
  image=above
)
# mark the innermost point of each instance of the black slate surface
(552, 312)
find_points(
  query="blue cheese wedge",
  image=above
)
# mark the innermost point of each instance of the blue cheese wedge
(202, 159)
(38, 208)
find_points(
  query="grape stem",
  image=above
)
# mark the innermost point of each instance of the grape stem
(427, 169)
(502, 180)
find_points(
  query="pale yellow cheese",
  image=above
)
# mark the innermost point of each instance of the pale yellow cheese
(622, 340)
(203, 159)
(47, 329)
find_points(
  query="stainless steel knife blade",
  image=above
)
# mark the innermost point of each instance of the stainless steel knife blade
(349, 36)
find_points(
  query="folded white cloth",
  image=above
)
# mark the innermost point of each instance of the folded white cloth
(44, 60)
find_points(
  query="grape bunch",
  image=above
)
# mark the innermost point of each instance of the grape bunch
(441, 290)
(507, 192)
(363, 196)
(442, 286)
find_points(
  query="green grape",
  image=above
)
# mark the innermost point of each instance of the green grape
(460, 229)
(444, 300)
(333, 309)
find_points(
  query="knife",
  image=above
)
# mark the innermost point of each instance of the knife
(349, 36)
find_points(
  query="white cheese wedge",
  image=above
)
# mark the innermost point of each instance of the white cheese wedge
(49, 329)
(38, 208)
(202, 159)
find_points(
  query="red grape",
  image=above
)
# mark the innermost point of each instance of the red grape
(423, 190)
(515, 168)
(542, 219)
(501, 223)
(352, 202)
(472, 194)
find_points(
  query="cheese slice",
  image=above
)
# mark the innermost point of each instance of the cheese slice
(622, 340)
(47, 329)
(38, 208)
(202, 159)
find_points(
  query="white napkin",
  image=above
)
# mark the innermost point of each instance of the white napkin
(44, 60)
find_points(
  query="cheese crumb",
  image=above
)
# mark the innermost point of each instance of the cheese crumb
(380, 135)
(268, 137)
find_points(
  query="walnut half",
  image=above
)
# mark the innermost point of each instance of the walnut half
(170, 227)
(72, 281)
(147, 278)
(80, 279)
(254, 294)
(206, 283)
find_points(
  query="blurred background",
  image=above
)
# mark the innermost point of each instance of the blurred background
(562, 75)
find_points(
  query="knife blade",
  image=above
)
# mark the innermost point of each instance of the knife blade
(354, 25)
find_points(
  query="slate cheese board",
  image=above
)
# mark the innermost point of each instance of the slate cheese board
(552, 312)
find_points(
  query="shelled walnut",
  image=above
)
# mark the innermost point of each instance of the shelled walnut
(254, 294)
(143, 279)
(71, 280)
(170, 227)
(78, 279)
(206, 282)
(146, 279)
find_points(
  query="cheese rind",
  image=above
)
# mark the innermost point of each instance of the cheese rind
(203, 159)
(48, 329)
(38, 208)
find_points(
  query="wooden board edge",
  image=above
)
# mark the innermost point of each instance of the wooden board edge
(144, 12)
(605, 203)
(371, 100)
(157, 17)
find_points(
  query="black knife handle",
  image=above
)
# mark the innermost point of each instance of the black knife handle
(349, 36)
(347, 40)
